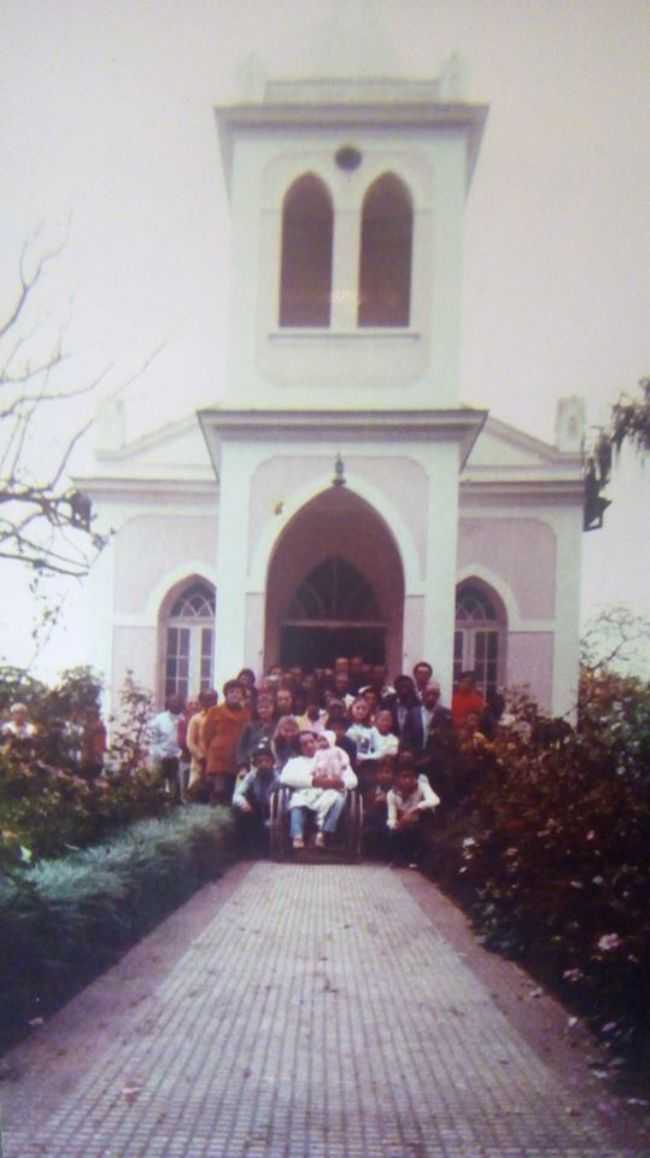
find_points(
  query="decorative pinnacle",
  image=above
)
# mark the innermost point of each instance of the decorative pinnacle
(339, 476)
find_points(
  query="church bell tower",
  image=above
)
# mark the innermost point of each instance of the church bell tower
(347, 201)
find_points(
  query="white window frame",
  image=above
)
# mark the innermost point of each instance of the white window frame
(196, 618)
(481, 621)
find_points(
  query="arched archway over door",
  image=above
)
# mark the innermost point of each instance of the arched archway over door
(335, 585)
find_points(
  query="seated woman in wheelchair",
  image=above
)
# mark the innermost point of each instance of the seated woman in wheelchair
(320, 779)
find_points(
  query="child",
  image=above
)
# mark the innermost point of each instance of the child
(337, 724)
(329, 760)
(252, 799)
(361, 731)
(408, 802)
(386, 742)
(375, 808)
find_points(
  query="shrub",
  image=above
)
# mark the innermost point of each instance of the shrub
(549, 853)
(65, 920)
(45, 805)
(47, 809)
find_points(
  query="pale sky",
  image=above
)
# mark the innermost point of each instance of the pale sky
(108, 124)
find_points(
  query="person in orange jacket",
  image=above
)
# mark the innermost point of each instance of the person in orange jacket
(222, 728)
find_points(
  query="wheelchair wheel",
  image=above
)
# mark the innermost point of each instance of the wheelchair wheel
(353, 825)
(279, 824)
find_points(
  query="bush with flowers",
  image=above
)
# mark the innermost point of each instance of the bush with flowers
(548, 849)
(46, 806)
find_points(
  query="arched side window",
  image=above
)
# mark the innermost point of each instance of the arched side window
(480, 636)
(306, 269)
(189, 639)
(386, 254)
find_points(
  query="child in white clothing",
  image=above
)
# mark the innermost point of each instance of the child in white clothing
(409, 801)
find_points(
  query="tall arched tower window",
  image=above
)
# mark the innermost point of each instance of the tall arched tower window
(306, 268)
(189, 638)
(386, 254)
(480, 636)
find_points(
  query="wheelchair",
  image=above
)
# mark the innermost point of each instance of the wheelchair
(345, 845)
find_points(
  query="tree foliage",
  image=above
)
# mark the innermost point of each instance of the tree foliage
(629, 422)
(631, 419)
(549, 851)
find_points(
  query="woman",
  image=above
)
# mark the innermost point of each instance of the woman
(194, 740)
(285, 740)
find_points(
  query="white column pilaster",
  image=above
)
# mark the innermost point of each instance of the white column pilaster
(232, 563)
(440, 580)
(566, 652)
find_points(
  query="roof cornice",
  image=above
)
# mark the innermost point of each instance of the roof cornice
(462, 426)
(156, 490)
(406, 115)
(523, 490)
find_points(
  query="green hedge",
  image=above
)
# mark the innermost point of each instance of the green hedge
(65, 920)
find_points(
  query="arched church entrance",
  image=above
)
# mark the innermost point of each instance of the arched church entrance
(335, 586)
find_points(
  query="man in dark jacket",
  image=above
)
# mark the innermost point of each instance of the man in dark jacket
(400, 703)
(429, 734)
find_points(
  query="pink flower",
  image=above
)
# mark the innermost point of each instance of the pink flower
(609, 941)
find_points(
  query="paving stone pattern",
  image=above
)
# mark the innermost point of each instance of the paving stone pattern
(318, 1014)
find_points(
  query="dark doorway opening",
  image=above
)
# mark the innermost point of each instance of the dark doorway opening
(318, 646)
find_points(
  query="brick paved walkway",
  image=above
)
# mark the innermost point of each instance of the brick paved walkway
(319, 1013)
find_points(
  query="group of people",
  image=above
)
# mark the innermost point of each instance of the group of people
(322, 733)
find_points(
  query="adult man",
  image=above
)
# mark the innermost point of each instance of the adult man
(284, 702)
(427, 715)
(401, 702)
(322, 793)
(342, 688)
(429, 734)
(422, 673)
(165, 749)
(221, 731)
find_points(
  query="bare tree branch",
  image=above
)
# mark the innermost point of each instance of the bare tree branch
(616, 636)
(46, 525)
(28, 282)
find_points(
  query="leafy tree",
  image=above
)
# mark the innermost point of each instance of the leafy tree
(130, 731)
(631, 420)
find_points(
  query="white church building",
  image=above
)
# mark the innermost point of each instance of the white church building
(340, 498)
